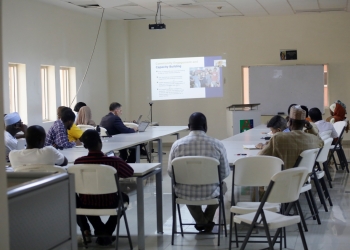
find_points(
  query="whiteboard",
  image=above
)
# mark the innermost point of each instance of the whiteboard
(276, 87)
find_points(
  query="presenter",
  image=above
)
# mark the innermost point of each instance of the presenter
(114, 125)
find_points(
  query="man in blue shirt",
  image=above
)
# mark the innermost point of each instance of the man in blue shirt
(114, 125)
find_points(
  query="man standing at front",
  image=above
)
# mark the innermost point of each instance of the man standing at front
(198, 143)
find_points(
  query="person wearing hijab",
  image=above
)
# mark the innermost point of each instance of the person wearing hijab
(338, 112)
(84, 117)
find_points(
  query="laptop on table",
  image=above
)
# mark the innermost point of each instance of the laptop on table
(143, 126)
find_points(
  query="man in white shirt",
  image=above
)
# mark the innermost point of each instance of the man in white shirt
(13, 125)
(36, 153)
(316, 117)
(198, 143)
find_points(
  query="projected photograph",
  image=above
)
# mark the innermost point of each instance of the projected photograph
(246, 125)
(204, 77)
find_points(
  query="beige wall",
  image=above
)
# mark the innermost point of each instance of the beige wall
(35, 33)
(319, 38)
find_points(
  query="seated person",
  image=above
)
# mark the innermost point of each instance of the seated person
(78, 106)
(198, 143)
(114, 126)
(338, 112)
(316, 117)
(93, 143)
(276, 124)
(288, 146)
(13, 125)
(36, 153)
(57, 134)
(290, 106)
(84, 117)
(307, 113)
(74, 133)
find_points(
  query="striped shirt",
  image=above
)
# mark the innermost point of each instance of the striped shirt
(57, 135)
(198, 143)
(124, 170)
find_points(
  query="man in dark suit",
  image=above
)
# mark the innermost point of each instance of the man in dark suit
(114, 125)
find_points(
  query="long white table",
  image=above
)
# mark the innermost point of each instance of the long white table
(122, 141)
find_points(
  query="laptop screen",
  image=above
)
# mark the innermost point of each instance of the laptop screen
(143, 126)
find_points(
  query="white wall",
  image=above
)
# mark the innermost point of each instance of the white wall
(4, 225)
(319, 38)
(35, 33)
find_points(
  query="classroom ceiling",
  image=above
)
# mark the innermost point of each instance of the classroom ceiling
(185, 9)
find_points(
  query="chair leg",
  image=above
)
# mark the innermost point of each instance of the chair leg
(335, 163)
(340, 157)
(224, 217)
(278, 232)
(300, 212)
(82, 233)
(320, 192)
(219, 231)
(127, 229)
(314, 207)
(285, 237)
(174, 230)
(266, 227)
(310, 205)
(180, 219)
(302, 236)
(325, 190)
(118, 227)
(328, 174)
(230, 238)
(345, 161)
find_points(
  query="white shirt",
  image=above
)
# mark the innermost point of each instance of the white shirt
(324, 126)
(10, 144)
(36, 156)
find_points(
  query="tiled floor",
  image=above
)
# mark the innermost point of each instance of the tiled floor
(333, 233)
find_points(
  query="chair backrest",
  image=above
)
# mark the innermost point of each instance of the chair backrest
(287, 185)
(256, 171)
(85, 127)
(325, 134)
(340, 127)
(103, 131)
(323, 155)
(307, 159)
(131, 125)
(195, 170)
(94, 179)
(40, 168)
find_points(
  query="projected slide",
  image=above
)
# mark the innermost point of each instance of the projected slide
(187, 78)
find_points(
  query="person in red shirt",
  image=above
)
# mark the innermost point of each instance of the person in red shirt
(93, 143)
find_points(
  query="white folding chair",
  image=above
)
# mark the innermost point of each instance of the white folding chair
(196, 170)
(85, 127)
(323, 159)
(337, 147)
(131, 125)
(40, 168)
(255, 171)
(284, 188)
(93, 179)
(307, 159)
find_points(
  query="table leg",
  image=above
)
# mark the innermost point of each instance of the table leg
(177, 135)
(140, 214)
(160, 151)
(138, 154)
(159, 201)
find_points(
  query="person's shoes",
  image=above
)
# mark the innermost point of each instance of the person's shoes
(103, 241)
(87, 235)
(200, 227)
(209, 227)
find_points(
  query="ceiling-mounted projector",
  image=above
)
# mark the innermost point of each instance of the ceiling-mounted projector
(158, 25)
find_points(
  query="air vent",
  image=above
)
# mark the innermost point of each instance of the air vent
(87, 6)
(131, 19)
(320, 10)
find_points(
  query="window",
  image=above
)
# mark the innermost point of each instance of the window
(325, 75)
(68, 86)
(48, 93)
(18, 90)
(13, 87)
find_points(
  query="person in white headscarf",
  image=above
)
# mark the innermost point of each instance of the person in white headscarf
(13, 125)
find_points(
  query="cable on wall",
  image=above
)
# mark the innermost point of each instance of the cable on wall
(92, 54)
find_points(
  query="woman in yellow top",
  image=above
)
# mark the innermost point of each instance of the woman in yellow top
(74, 133)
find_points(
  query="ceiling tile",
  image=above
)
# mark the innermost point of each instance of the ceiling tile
(221, 7)
(112, 3)
(197, 11)
(174, 13)
(248, 7)
(136, 10)
(276, 7)
(304, 4)
(332, 4)
(118, 14)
